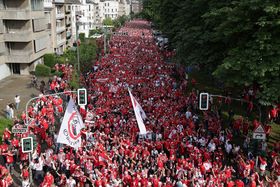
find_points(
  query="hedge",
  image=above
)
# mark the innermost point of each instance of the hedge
(42, 70)
(4, 123)
(49, 60)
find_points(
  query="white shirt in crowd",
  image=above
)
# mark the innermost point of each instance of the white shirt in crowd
(211, 146)
(188, 114)
(17, 99)
(71, 182)
(228, 147)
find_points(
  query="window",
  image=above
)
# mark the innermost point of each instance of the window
(37, 5)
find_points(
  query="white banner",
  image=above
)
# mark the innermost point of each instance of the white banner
(139, 113)
(70, 129)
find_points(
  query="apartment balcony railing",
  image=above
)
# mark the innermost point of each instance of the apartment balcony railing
(68, 35)
(60, 29)
(2, 48)
(60, 42)
(67, 11)
(23, 57)
(78, 13)
(15, 14)
(19, 36)
(60, 15)
(49, 26)
(47, 5)
(58, 1)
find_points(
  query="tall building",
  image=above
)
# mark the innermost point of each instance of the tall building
(136, 6)
(59, 29)
(86, 13)
(110, 9)
(124, 7)
(23, 36)
(49, 13)
(70, 19)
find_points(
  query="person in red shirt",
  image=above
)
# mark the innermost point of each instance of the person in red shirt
(6, 136)
(239, 183)
(230, 183)
(48, 180)
(9, 160)
(273, 114)
(25, 173)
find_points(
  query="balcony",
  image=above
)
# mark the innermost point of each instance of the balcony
(60, 42)
(60, 29)
(67, 11)
(15, 57)
(49, 26)
(78, 13)
(48, 4)
(22, 36)
(15, 14)
(2, 48)
(58, 1)
(68, 35)
(60, 15)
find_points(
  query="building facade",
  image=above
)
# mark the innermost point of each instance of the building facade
(124, 8)
(136, 6)
(59, 29)
(23, 37)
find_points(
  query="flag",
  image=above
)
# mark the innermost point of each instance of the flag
(139, 113)
(70, 129)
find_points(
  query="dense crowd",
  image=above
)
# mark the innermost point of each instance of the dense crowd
(184, 147)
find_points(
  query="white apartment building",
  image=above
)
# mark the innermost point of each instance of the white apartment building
(49, 13)
(70, 20)
(136, 6)
(59, 31)
(124, 7)
(23, 36)
(110, 9)
(91, 13)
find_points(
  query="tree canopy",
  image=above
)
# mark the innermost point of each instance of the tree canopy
(238, 41)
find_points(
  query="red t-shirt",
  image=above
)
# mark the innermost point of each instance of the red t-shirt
(230, 184)
(239, 183)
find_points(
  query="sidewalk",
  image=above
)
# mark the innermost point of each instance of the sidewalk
(15, 85)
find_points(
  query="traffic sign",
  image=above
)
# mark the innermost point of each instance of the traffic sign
(82, 97)
(259, 136)
(19, 130)
(203, 101)
(27, 145)
(259, 129)
(259, 133)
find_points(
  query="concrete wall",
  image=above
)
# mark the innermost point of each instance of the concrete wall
(4, 71)
(24, 69)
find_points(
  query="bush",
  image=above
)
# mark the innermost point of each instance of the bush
(82, 37)
(74, 83)
(42, 70)
(49, 60)
(4, 123)
(57, 73)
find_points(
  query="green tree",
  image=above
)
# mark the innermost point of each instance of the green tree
(108, 21)
(237, 41)
(49, 60)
